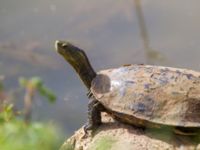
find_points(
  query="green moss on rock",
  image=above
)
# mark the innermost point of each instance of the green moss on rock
(103, 143)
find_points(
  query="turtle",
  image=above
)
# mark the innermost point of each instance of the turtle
(145, 96)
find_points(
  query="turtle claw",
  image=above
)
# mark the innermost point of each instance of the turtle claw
(89, 94)
(89, 129)
(94, 115)
(86, 128)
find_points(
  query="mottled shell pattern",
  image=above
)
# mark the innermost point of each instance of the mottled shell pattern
(155, 94)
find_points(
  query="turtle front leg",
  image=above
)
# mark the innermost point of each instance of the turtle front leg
(94, 115)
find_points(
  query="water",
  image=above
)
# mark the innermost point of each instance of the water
(111, 32)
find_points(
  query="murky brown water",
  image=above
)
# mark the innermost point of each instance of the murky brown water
(112, 33)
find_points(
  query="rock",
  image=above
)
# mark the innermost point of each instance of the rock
(113, 135)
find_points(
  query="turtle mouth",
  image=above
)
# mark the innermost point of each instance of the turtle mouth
(59, 46)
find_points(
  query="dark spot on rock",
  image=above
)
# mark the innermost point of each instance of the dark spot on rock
(101, 84)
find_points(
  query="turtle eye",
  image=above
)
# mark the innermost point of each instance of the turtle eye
(64, 44)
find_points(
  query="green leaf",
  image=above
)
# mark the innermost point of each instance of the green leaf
(9, 108)
(44, 91)
(22, 81)
(36, 81)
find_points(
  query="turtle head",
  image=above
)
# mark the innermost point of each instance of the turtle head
(77, 58)
(71, 53)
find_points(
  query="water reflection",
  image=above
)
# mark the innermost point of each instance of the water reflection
(151, 54)
(112, 33)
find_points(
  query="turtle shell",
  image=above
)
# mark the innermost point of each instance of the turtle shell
(150, 95)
